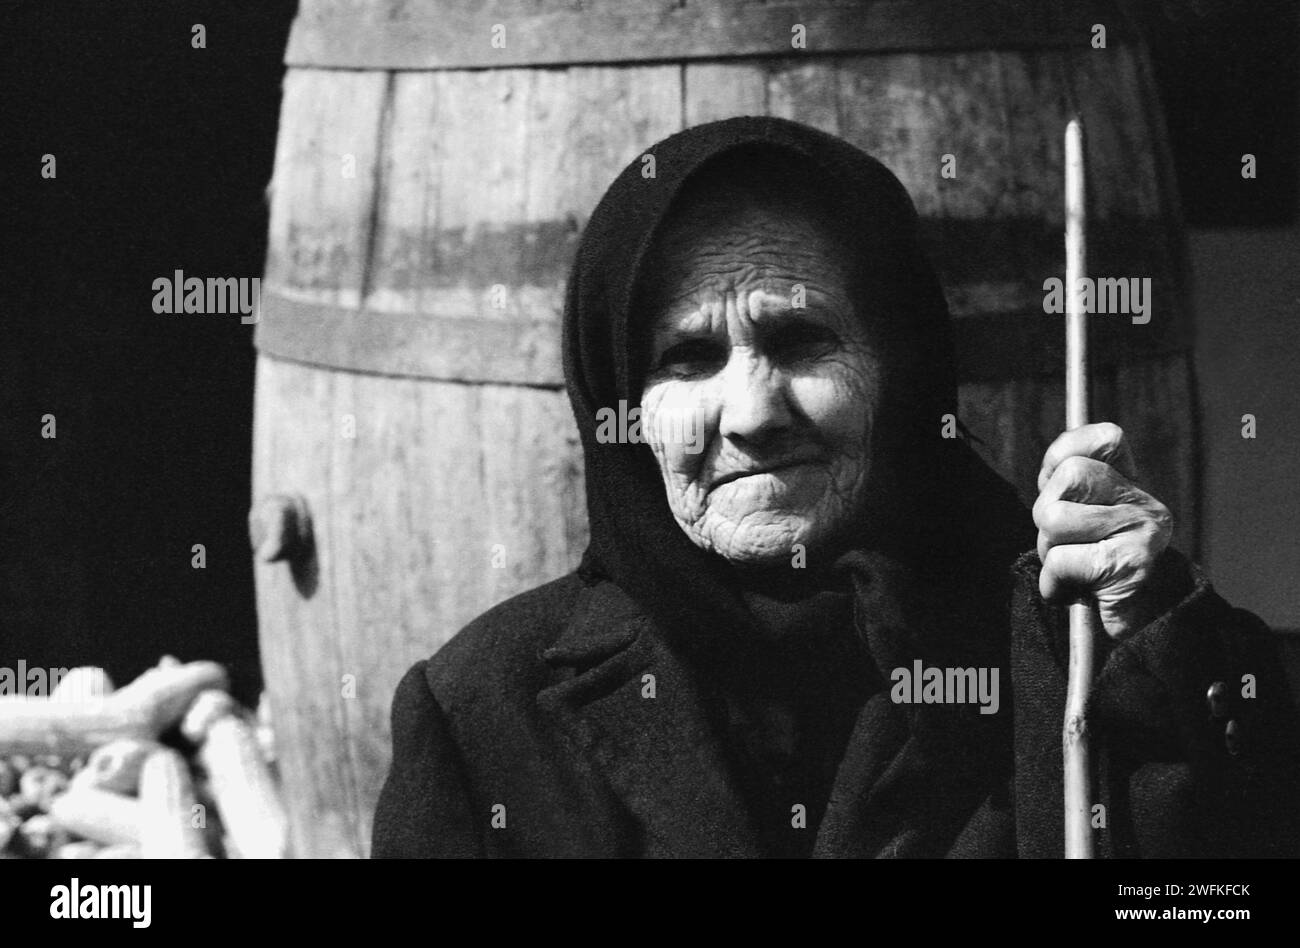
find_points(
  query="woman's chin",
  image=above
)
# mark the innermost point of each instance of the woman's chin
(773, 544)
(761, 521)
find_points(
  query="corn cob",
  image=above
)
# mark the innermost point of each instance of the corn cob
(143, 709)
(167, 830)
(116, 766)
(99, 815)
(241, 783)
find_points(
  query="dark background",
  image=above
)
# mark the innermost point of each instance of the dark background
(163, 153)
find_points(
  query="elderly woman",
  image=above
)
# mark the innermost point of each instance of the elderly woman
(807, 623)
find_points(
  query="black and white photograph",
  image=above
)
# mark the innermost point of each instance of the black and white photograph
(652, 429)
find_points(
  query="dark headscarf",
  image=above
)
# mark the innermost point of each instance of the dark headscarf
(919, 513)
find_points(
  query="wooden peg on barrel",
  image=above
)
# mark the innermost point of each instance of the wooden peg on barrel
(279, 528)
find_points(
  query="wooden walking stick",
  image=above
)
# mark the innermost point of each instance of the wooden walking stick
(1074, 733)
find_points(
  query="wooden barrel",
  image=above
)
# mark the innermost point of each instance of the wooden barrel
(435, 165)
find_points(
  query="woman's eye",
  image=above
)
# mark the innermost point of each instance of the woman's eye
(692, 354)
(801, 342)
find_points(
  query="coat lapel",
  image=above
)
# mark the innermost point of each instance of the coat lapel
(911, 775)
(910, 779)
(633, 708)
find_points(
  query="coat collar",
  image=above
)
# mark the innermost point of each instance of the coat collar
(635, 709)
(909, 780)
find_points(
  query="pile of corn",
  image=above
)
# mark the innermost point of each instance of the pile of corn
(169, 767)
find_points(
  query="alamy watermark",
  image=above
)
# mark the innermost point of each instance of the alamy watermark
(74, 900)
(178, 294)
(35, 681)
(626, 425)
(921, 685)
(1113, 295)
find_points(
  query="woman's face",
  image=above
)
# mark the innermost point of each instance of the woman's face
(761, 385)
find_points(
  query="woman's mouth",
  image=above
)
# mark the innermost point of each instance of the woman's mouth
(780, 467)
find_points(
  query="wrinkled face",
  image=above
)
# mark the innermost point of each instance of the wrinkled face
(758, 409)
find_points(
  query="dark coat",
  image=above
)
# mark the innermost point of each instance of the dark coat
(538, 707)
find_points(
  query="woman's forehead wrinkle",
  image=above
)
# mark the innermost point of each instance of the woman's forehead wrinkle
(711, 306)
(751, 269)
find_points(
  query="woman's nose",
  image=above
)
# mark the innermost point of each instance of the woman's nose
(754, 399)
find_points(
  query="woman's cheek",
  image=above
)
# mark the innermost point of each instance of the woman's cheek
(675, 422)
(839, 403)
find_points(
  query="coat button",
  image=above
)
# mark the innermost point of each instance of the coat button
(1231, 738)
(1217, 699)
